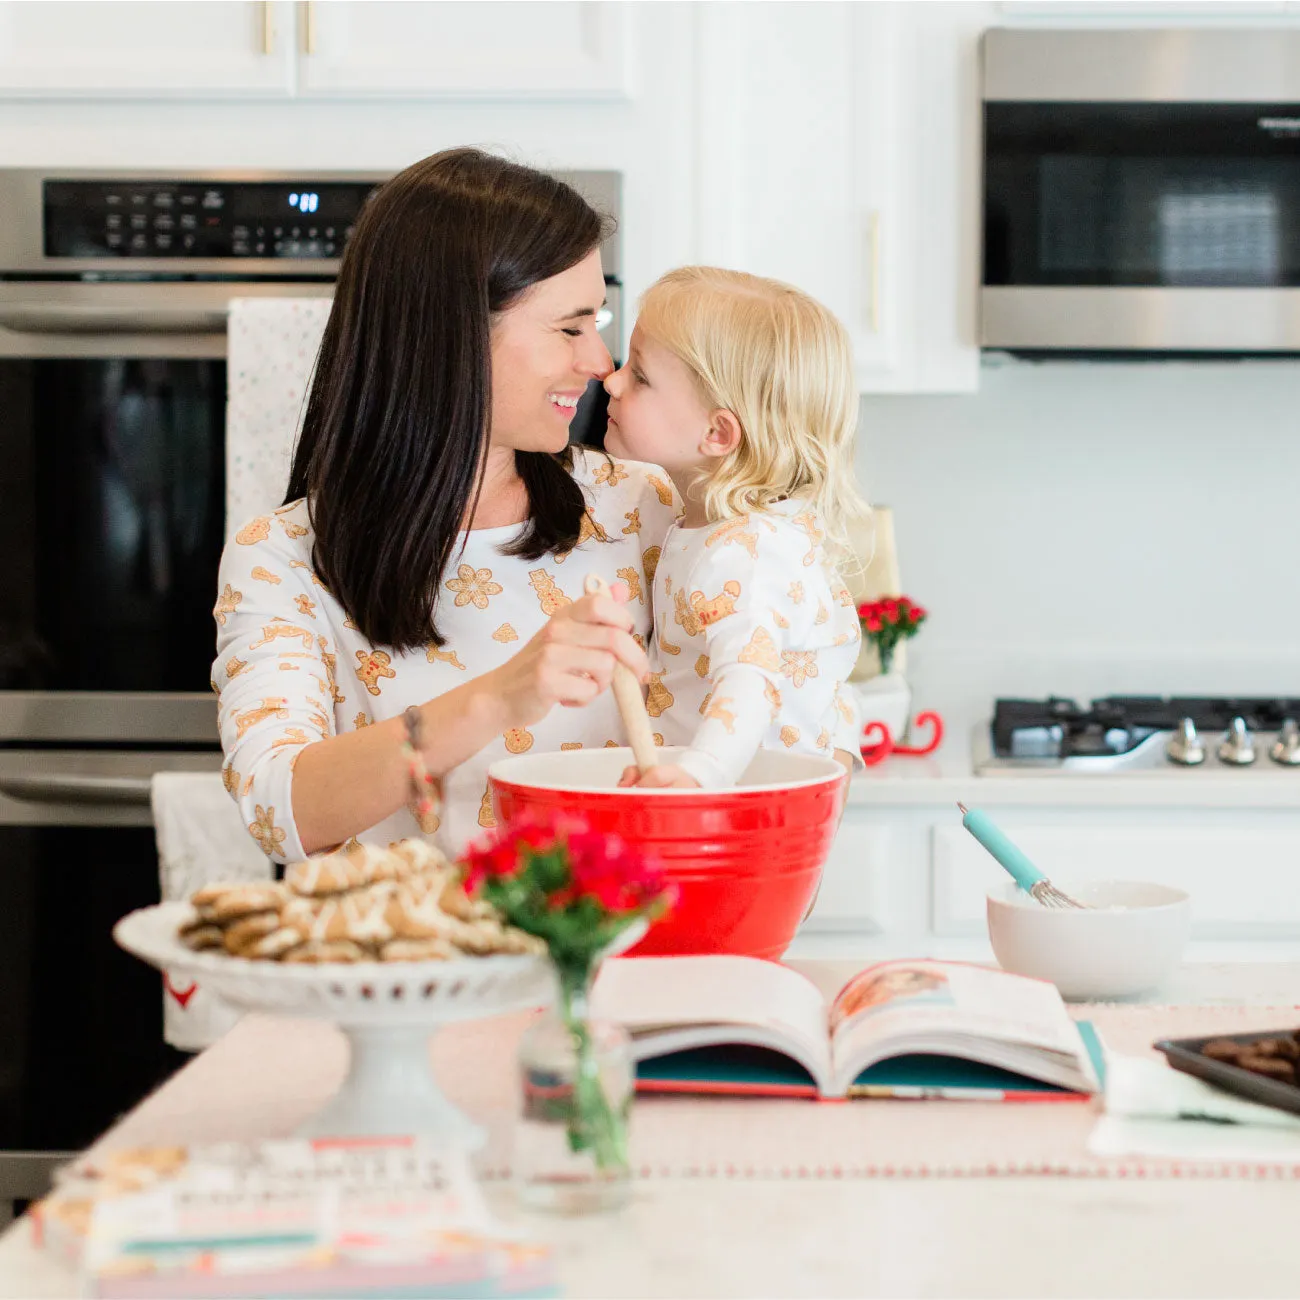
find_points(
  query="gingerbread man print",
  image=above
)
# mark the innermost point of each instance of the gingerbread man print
(268, 835)
(371, 667)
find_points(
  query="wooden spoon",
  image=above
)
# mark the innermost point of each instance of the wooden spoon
(627, 694)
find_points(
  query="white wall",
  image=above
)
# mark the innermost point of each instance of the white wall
(1096, 528)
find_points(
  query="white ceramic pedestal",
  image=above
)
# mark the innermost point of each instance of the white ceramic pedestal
(887, 699)
(388, 1010)
(390, 1089)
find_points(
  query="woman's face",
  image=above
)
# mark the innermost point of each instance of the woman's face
(545, 350)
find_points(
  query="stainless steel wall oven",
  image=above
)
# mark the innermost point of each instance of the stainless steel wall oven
(114, 290)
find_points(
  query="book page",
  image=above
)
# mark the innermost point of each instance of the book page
(908, 1003)
(654, 994)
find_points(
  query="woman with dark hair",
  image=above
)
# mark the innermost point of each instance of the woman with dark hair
(416, 605)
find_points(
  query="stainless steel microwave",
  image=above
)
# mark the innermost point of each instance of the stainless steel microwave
(1141, 191)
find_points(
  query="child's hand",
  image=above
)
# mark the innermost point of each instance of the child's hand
(660, 777)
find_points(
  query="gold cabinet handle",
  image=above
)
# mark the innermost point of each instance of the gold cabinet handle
(268, 27)
(873, 270)
(308, 26)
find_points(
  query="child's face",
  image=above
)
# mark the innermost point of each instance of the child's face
(544, 351)
(656, 413)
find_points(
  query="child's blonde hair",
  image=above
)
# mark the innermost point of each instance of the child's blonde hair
(782, 364)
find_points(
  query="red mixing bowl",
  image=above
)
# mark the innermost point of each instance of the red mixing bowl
(746, 860)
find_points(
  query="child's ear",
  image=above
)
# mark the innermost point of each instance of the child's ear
(724, 433)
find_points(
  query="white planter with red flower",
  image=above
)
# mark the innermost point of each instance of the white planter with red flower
(885, 697)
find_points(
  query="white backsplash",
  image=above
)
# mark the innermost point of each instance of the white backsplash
(1092, 528)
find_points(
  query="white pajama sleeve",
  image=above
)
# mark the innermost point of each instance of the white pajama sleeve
(275, 692)
(744, 649)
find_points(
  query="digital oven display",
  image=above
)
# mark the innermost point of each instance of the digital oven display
(193, 219)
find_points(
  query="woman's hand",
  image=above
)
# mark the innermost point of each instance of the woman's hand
(660, 777)
(570, 660)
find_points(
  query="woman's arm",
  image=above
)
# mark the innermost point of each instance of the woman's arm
(348, 782)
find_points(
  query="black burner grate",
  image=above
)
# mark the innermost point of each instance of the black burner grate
(1057, 727)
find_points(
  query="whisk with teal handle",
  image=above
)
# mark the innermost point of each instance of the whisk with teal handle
(1013, 860)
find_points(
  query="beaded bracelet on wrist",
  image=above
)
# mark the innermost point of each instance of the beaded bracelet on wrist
(424, 802)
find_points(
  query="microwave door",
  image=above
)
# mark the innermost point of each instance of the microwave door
(1139, 223)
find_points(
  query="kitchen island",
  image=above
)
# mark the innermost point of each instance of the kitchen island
(807, 1236)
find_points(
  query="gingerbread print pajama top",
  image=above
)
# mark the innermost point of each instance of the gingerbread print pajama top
(755, 636)
(292, 669)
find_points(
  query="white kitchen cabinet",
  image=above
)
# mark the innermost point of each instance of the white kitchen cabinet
(907, 879)
(187, 48)
(854, 892)
(839, 150)
(1242, 876)
(465, 49)
(359, 49)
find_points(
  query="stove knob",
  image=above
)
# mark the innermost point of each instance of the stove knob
(1237, 746)
(1286, 748)
(1185, 745)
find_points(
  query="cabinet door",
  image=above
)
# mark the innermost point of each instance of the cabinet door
(798, 159)
(853, 895)
(184, 48)
(464, 48)
(838, 149)
(1241, 878)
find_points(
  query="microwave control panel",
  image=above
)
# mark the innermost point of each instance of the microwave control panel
(239, 219)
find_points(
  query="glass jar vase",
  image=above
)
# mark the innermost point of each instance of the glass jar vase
(577, 1077)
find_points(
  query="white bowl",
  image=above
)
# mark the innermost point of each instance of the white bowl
(1125, 943)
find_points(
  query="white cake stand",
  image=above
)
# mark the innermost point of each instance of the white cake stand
(388, 1010)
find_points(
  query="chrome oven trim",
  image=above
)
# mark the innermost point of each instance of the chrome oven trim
(1145, 319)
(1155, 65)
(109, 717)
(73, 787)
(71, 318)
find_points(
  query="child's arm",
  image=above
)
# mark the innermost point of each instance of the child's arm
(749, 622)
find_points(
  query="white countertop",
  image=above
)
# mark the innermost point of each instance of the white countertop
(1007, 1236)
(948, 775)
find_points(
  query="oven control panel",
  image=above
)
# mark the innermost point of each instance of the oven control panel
(188, 219)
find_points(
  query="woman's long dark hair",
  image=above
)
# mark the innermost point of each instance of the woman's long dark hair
(392, 451)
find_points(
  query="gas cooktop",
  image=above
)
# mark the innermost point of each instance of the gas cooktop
(1135, 732)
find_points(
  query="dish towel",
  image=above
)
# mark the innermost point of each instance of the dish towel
(272, 345)
(1154, 1110)
(201, 838)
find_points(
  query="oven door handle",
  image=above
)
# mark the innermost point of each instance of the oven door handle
(33, 318)
(46, 787)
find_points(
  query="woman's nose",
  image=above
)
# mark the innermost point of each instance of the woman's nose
(596, 360)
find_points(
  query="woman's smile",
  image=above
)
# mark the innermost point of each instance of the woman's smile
(565, 401)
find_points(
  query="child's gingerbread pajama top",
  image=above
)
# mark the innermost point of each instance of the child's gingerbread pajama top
(755, 636)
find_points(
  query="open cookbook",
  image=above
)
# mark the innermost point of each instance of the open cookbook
(896, 1029)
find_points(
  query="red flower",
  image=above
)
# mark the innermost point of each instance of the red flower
(873, 622)
(917, 613)
(607, 869)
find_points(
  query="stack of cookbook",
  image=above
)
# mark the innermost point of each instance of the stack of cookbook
(337, 1218)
